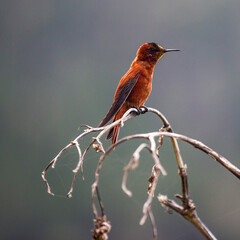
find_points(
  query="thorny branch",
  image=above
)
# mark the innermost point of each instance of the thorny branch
(187, 208)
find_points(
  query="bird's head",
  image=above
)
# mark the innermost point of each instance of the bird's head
(152, 52)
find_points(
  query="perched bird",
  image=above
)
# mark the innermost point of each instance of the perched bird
(135, 86)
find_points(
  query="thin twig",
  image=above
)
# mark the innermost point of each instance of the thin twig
(197, 144)
(157, 168)
(187, 210)
(132, 165)
(189, 214)
(100, 202)
(153, 223)
(127, 116)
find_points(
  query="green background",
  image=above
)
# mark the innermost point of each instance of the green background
(60, 63)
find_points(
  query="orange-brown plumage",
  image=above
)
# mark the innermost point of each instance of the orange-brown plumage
(135, 86)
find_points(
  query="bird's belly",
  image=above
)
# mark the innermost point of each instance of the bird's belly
(139, 93)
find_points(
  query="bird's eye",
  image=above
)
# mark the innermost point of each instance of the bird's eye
(153, 50)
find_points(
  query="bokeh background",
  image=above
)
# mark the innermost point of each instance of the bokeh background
(60, 62)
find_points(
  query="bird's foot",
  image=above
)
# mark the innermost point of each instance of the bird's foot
(138, 112)
(143, 109)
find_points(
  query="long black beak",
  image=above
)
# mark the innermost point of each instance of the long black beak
(171, 50)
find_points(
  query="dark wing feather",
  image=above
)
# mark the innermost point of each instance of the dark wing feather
(123, 93)
(110, 132)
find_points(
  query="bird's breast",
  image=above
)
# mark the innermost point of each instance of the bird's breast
(141, 90)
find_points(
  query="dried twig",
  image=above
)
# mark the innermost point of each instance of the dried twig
(154, 228)
(187, 208)
(189, 214)
(98, 147)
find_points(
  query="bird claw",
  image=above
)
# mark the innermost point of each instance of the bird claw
(138, 112)
(141, 110)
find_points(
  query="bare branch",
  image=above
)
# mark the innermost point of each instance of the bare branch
(45, 180)
(147, 204)
(157, 168)
(197, 144)
(187, 208)
(98, 147)
(154, 227)
(189, 214)
(132, 165)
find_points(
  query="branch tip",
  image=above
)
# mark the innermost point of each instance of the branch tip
(69, 195)
(162, 198)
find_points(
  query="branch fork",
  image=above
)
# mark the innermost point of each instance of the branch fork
(187, 209)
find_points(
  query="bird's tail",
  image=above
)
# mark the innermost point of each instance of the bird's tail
(114, 132)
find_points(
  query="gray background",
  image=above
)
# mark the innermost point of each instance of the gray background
(60, 64)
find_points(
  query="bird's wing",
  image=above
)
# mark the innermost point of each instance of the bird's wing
(121, 96)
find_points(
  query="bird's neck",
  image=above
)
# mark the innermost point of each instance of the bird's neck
(147, 65)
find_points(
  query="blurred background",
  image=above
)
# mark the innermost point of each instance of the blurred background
(60, 63)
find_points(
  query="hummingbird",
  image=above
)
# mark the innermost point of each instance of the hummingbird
(135, 86)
